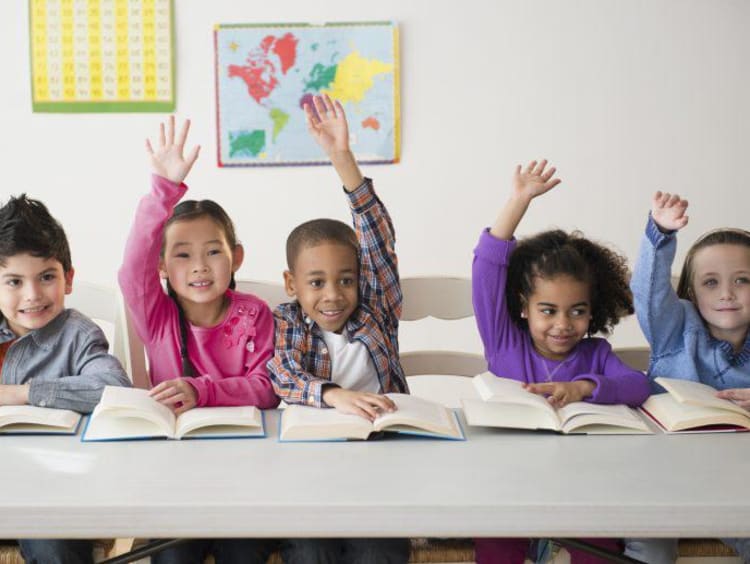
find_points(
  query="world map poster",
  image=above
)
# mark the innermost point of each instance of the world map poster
(266, 73)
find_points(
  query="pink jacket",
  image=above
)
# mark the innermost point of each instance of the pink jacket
(231, 357)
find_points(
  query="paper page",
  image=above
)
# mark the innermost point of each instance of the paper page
(595, 418)
(232, 420)
(301, 422)
(45, 416)
(508, 415)
(418, 413)
(675, 416)
(127, 405)
(696, 393)
(492, 388)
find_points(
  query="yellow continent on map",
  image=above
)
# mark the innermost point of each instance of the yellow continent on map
(354, 77)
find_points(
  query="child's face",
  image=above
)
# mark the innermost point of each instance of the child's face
(198, 261)
(558, 313)
(32, 291)
(721, 289)
(324, 281)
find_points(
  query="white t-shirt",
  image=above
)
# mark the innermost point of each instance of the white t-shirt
(351, 365)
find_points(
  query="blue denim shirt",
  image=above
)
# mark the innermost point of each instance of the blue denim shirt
(65, 363)
(681, 346)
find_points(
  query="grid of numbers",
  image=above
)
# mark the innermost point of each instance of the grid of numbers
(102, 55)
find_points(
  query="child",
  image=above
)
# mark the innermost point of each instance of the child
(337, 344)
(49, 356)
(537, 302)
(699, 332)
(207, 344)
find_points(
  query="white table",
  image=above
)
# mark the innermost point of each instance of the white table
(497, 483)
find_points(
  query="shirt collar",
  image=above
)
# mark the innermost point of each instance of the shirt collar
(44, 337)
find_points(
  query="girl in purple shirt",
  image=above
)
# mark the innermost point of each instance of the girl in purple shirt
(537, 303)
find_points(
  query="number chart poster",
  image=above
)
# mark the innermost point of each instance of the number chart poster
(102, 55)
(265, 73)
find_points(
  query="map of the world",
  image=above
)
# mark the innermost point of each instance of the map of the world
(266, 73)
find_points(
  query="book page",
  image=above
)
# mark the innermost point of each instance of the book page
(302, 422)
(219, 421)
(129, 413)
(415, 413)
(675, 416)
(481, 413)
(600, 419)
(696, 393)
(493, 388)
(31, 416)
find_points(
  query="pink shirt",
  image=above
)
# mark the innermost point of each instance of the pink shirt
(230, 357)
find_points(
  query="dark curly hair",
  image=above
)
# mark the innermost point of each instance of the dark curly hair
(723, 236)
(554, 253)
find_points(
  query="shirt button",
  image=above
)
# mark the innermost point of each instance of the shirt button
(42, 403)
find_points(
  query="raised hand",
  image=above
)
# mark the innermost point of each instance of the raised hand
(534, 180)
(668, 211)
(560, 394)
(364, 404)
(167, 160)
(327, 125)
(740, 396)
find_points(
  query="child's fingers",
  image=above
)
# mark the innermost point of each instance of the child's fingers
(170, 131)
(182, 137)
(149, 148)
(539, 169)
(193, 155)
(162, 136)
(551, 183)
(339, 110)
(329, 105)
(547, 175)
(530, 167)
(320, 107)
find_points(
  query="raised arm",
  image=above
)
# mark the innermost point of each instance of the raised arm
(661, 314)
(139, 275)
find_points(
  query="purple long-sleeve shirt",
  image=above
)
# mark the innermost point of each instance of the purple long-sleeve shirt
(510, 351)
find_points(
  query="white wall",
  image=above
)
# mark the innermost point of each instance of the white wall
(625, 97)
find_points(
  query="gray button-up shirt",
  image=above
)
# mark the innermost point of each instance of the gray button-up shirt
(66, 362)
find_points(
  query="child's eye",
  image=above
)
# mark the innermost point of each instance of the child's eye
(13, 282)
(213, 252)
(347, 281)
(49, 277)
(710, 282)
(316, 283)
(548, 311)
(742, 280)
(182, 255)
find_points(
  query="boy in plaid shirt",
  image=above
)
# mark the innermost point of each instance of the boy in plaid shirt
(337, 344)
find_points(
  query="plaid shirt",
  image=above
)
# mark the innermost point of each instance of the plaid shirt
(301, 364)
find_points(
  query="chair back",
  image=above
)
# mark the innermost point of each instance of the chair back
(635, 357)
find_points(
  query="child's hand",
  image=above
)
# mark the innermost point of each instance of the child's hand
(364, 404)
(534, 180)
(174, 392)
(740, 396)
(167, 160)
(668, 211)
(560, 394)
(14, 394)
(328, 127)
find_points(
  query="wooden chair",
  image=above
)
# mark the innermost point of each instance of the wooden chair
(635, 357)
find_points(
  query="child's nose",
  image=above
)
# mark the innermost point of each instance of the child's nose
(32, 292)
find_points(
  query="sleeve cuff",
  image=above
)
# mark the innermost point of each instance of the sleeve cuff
(494, 250)
(363, 196)
(42, 393)
(657, 237)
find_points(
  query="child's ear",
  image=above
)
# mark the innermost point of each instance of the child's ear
(524, 308)
(238, 255)
(69, 280)
(289, 284)
(162, 269)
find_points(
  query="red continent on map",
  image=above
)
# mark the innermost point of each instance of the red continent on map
(259, 74)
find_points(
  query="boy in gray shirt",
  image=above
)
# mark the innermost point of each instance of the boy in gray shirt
(49, 356)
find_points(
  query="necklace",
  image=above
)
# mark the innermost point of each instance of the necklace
(551, 375)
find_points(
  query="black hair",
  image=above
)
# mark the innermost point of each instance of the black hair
(554, 253)
(315, 232)
(26, 226)
(723, 236)
(189, 210)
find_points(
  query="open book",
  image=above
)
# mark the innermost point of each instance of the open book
(692, 406)
(505, 403)
(33, 420)
(413, 416)
(130, 413)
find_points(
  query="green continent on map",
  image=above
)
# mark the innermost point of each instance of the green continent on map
(280, 119)
(248, 142)
(321, 76)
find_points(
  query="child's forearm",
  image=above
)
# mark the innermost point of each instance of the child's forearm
(509, 218)
(347, 169)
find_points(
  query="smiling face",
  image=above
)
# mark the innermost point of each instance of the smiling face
(198, 262)
(324, 281)
(721, 290)
(558, 314)
(32, 291)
